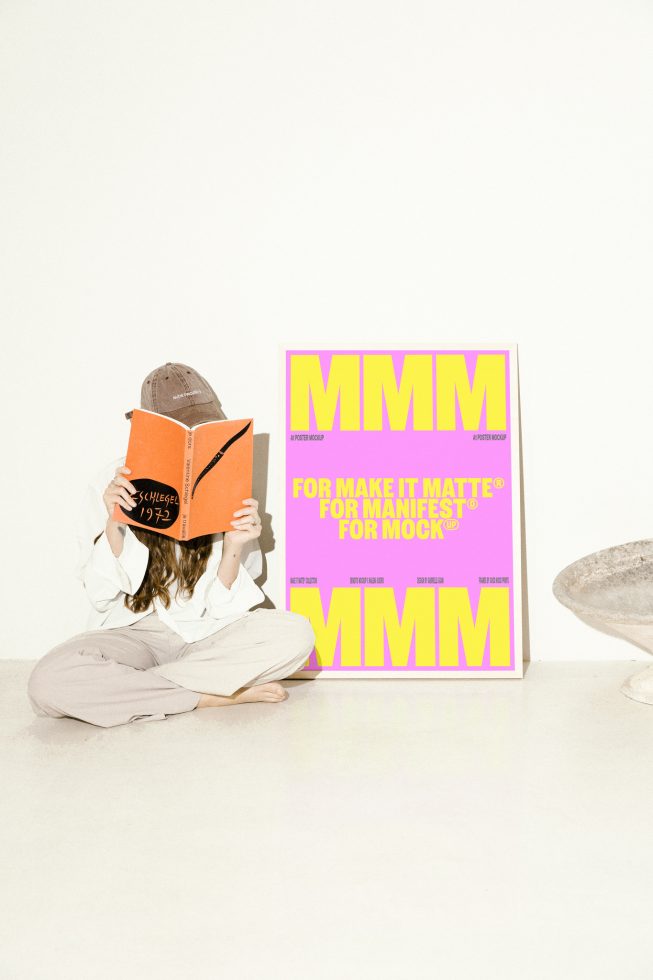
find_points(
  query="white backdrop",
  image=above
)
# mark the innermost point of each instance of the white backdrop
(197, 181)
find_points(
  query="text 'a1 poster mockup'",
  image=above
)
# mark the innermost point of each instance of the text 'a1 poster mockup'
(402, 511)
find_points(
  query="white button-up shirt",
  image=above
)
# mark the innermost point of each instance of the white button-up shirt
(107, 578)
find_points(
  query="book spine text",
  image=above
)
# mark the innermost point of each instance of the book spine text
(185, 492)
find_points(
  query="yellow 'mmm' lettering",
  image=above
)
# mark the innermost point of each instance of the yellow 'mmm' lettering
(489, 385)
(342, 392)
(380, 385)
(418, 616)
(381, 618)
(343, 381)
(493, 614)
(344, 618)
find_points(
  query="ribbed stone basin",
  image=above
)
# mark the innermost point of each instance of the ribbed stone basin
(612, 590)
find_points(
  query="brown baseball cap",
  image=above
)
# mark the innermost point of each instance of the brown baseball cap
(181, 392)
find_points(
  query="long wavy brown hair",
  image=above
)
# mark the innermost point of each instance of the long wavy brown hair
(164, 568)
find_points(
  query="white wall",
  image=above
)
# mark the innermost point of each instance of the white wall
(197, 181)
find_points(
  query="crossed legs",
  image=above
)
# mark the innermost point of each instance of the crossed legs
(114, 677)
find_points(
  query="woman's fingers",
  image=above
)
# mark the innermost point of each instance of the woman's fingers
(127, 498)
(121, 481)
(119, 491)
(248, 517)
(120, 497)
(246, 510)
(116, 499)
(252, 507)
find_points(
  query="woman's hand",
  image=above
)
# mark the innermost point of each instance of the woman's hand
(247, 526)
(118, 492)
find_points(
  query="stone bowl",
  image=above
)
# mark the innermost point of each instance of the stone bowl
(612, 591)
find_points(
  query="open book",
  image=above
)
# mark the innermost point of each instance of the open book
(189, 481)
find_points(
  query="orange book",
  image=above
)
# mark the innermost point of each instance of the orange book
(188, 480)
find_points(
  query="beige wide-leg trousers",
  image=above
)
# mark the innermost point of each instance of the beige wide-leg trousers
(146, 671)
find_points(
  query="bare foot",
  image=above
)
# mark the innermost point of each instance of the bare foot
(259, 692)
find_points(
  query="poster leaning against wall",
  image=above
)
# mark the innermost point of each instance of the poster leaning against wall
(402, 512)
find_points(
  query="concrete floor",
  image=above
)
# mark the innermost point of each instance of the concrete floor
(360, 829)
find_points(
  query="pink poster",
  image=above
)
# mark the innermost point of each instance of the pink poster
(402, 509)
